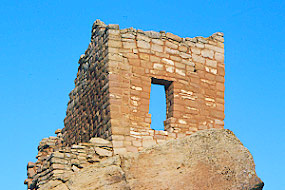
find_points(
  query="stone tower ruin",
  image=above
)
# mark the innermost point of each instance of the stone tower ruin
(112, 88)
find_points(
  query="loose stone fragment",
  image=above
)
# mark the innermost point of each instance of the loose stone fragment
(100, 142)
(57, 131)
(103, 152)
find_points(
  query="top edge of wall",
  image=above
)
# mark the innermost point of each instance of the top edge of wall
(218, 36)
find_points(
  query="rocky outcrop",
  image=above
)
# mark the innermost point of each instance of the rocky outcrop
(208, 159)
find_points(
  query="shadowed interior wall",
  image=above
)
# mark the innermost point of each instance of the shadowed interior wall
(88, 111)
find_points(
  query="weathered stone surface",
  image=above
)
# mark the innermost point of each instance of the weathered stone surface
(31, 172)
(209, 159)
(110, 177)
(173, 36)
(57, 163)
(103, 152)
(100, 142)
(31, 165)
(57, 131)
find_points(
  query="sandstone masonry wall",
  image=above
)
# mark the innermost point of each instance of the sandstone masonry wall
(112, 88)
(112, 94)
(57, 162)
(88, 111)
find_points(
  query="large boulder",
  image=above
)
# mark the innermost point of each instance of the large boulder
(209, 159)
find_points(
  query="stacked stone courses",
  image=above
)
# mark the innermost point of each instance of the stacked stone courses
(112, 89)
(56, 162)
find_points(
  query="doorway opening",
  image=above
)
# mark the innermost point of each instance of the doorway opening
(159, 102)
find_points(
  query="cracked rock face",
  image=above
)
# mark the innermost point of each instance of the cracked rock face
(208, 159)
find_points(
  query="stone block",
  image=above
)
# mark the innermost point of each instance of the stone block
(214, 48)
(219, 122)
(148, 143)
(118, 143)
(129, 45)
(167, 61)
(157, 41)
(31, 165)
(180, 72)
(57, 166)
(155, 58)
(182, 48)
(31, 172)
(218, 114)
(103, 151)
(169, 69)
(158, 66)
(127, 55)
(153, 34)
(143, 44)
(174, 37)
(57, 155)
(175, 58)
(119, 129)
(120, 151)
(195, 50)
(144, 56)
(179, 65)
(118, 137)
(171, 51)
(219, 57)
(220, 86)
(132, 149)
(158, 48)
(128, 35)
(116, 57)
(57, 131)
(114, 43)
(198, 59)
(185, 55)
(207, 53)
(221, 71)
(143, 37)
(137, 143)
(162, 55)
(171, 45)
(200, 45)
(211, 63)
(100, 142)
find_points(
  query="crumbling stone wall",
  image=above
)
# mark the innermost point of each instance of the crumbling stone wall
(112, 89)
(56, 162)
(216, 159)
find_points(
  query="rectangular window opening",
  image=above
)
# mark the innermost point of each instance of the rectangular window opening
(160, 102)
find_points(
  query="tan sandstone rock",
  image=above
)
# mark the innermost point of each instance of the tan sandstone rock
(208, 159)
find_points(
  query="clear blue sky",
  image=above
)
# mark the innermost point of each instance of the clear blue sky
(41, 42)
